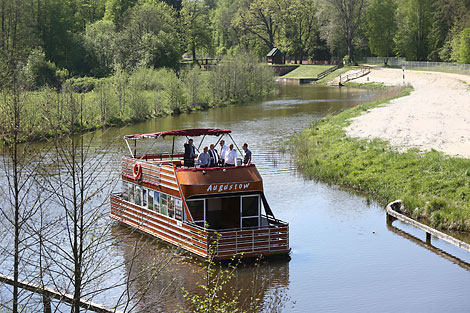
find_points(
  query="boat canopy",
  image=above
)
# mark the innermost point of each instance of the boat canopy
(181, 132)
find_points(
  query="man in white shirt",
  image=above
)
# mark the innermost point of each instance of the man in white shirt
(231, 157)
(223, 152)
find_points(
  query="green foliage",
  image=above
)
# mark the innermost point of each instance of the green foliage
(100, 42)
(381, 26)
(298, 26)
(240, 77)
(196, 26)
(39, 72)
(149, 37)
(461, 46)
(143, 93)
(435, 183)
(414, 21)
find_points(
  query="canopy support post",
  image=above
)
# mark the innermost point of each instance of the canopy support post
(218, 140)
(129, 147)
(173, 148)
(203, 137)
(236, 145)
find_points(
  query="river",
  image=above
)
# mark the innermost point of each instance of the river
(345, 258)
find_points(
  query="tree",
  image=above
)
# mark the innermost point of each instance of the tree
(349, 16)
(100, 42)
(381, 26)
(257, 19)
(225, 33)
(149, 38)
(20, 200)
(461, 46)
(414, 25)
(195, 23)
(299, 26)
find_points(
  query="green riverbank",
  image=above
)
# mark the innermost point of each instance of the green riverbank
(84, 104)
(433, 186)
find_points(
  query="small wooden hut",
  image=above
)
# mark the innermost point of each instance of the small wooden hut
(274, 56)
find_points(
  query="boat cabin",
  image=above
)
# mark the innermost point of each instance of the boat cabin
(218, 211)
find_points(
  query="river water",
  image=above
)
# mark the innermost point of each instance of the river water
(345, 258)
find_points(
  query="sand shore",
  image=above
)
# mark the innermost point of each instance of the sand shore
(436, 115)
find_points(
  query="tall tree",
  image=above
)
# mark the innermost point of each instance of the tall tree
(196, 28)
(299, 26)
(381, 26)
(414, 26)
(225, 33)
(257, 19)
(100, 42)
(150, 37)
(349, 13)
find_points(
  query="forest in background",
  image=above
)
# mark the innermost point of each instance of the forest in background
(50, 41)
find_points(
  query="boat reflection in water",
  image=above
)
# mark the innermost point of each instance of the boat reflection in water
(158, 273)
(219, 212)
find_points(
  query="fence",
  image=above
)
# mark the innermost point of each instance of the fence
(460, 68)
(345, 78)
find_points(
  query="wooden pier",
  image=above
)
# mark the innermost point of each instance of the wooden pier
(393, 213)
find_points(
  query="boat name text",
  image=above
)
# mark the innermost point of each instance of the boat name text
(227, 187)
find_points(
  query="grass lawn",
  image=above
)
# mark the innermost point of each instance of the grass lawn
(307, 71)
(434, 187)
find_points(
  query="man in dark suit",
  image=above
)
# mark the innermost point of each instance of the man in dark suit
(189, 153)
(214, 156)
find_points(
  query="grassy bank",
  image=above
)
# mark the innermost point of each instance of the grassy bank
(307, 71)
(433, 186)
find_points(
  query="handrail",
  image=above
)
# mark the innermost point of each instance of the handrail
(363, 72)
(392, 212)
(330, 70)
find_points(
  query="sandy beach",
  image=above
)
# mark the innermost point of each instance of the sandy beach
(436, 115)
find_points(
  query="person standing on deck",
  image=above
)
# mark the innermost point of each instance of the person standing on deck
(189, 153)
(223, 152)
(231, 157)
(247, 158)
(214, 156)
(204, 159)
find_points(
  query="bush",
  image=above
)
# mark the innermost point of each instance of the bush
(83, 84)
(40, 73)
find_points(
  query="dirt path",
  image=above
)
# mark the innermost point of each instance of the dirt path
(435, 116)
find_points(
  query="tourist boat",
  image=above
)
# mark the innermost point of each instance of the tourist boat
(218, 212)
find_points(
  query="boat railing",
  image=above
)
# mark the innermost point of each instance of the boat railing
(269, 239)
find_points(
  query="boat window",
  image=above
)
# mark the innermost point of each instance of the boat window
(163, 204)
(171, 206)
(150, 199)
(144, 197)
(250, 206)
(131, 192)
(223, 213)
(125, 190)
(138, 195)
(196, 208)
(156, 201)
(250, 222)
(178, 209)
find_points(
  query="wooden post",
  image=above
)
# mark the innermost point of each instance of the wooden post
(428, 238)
